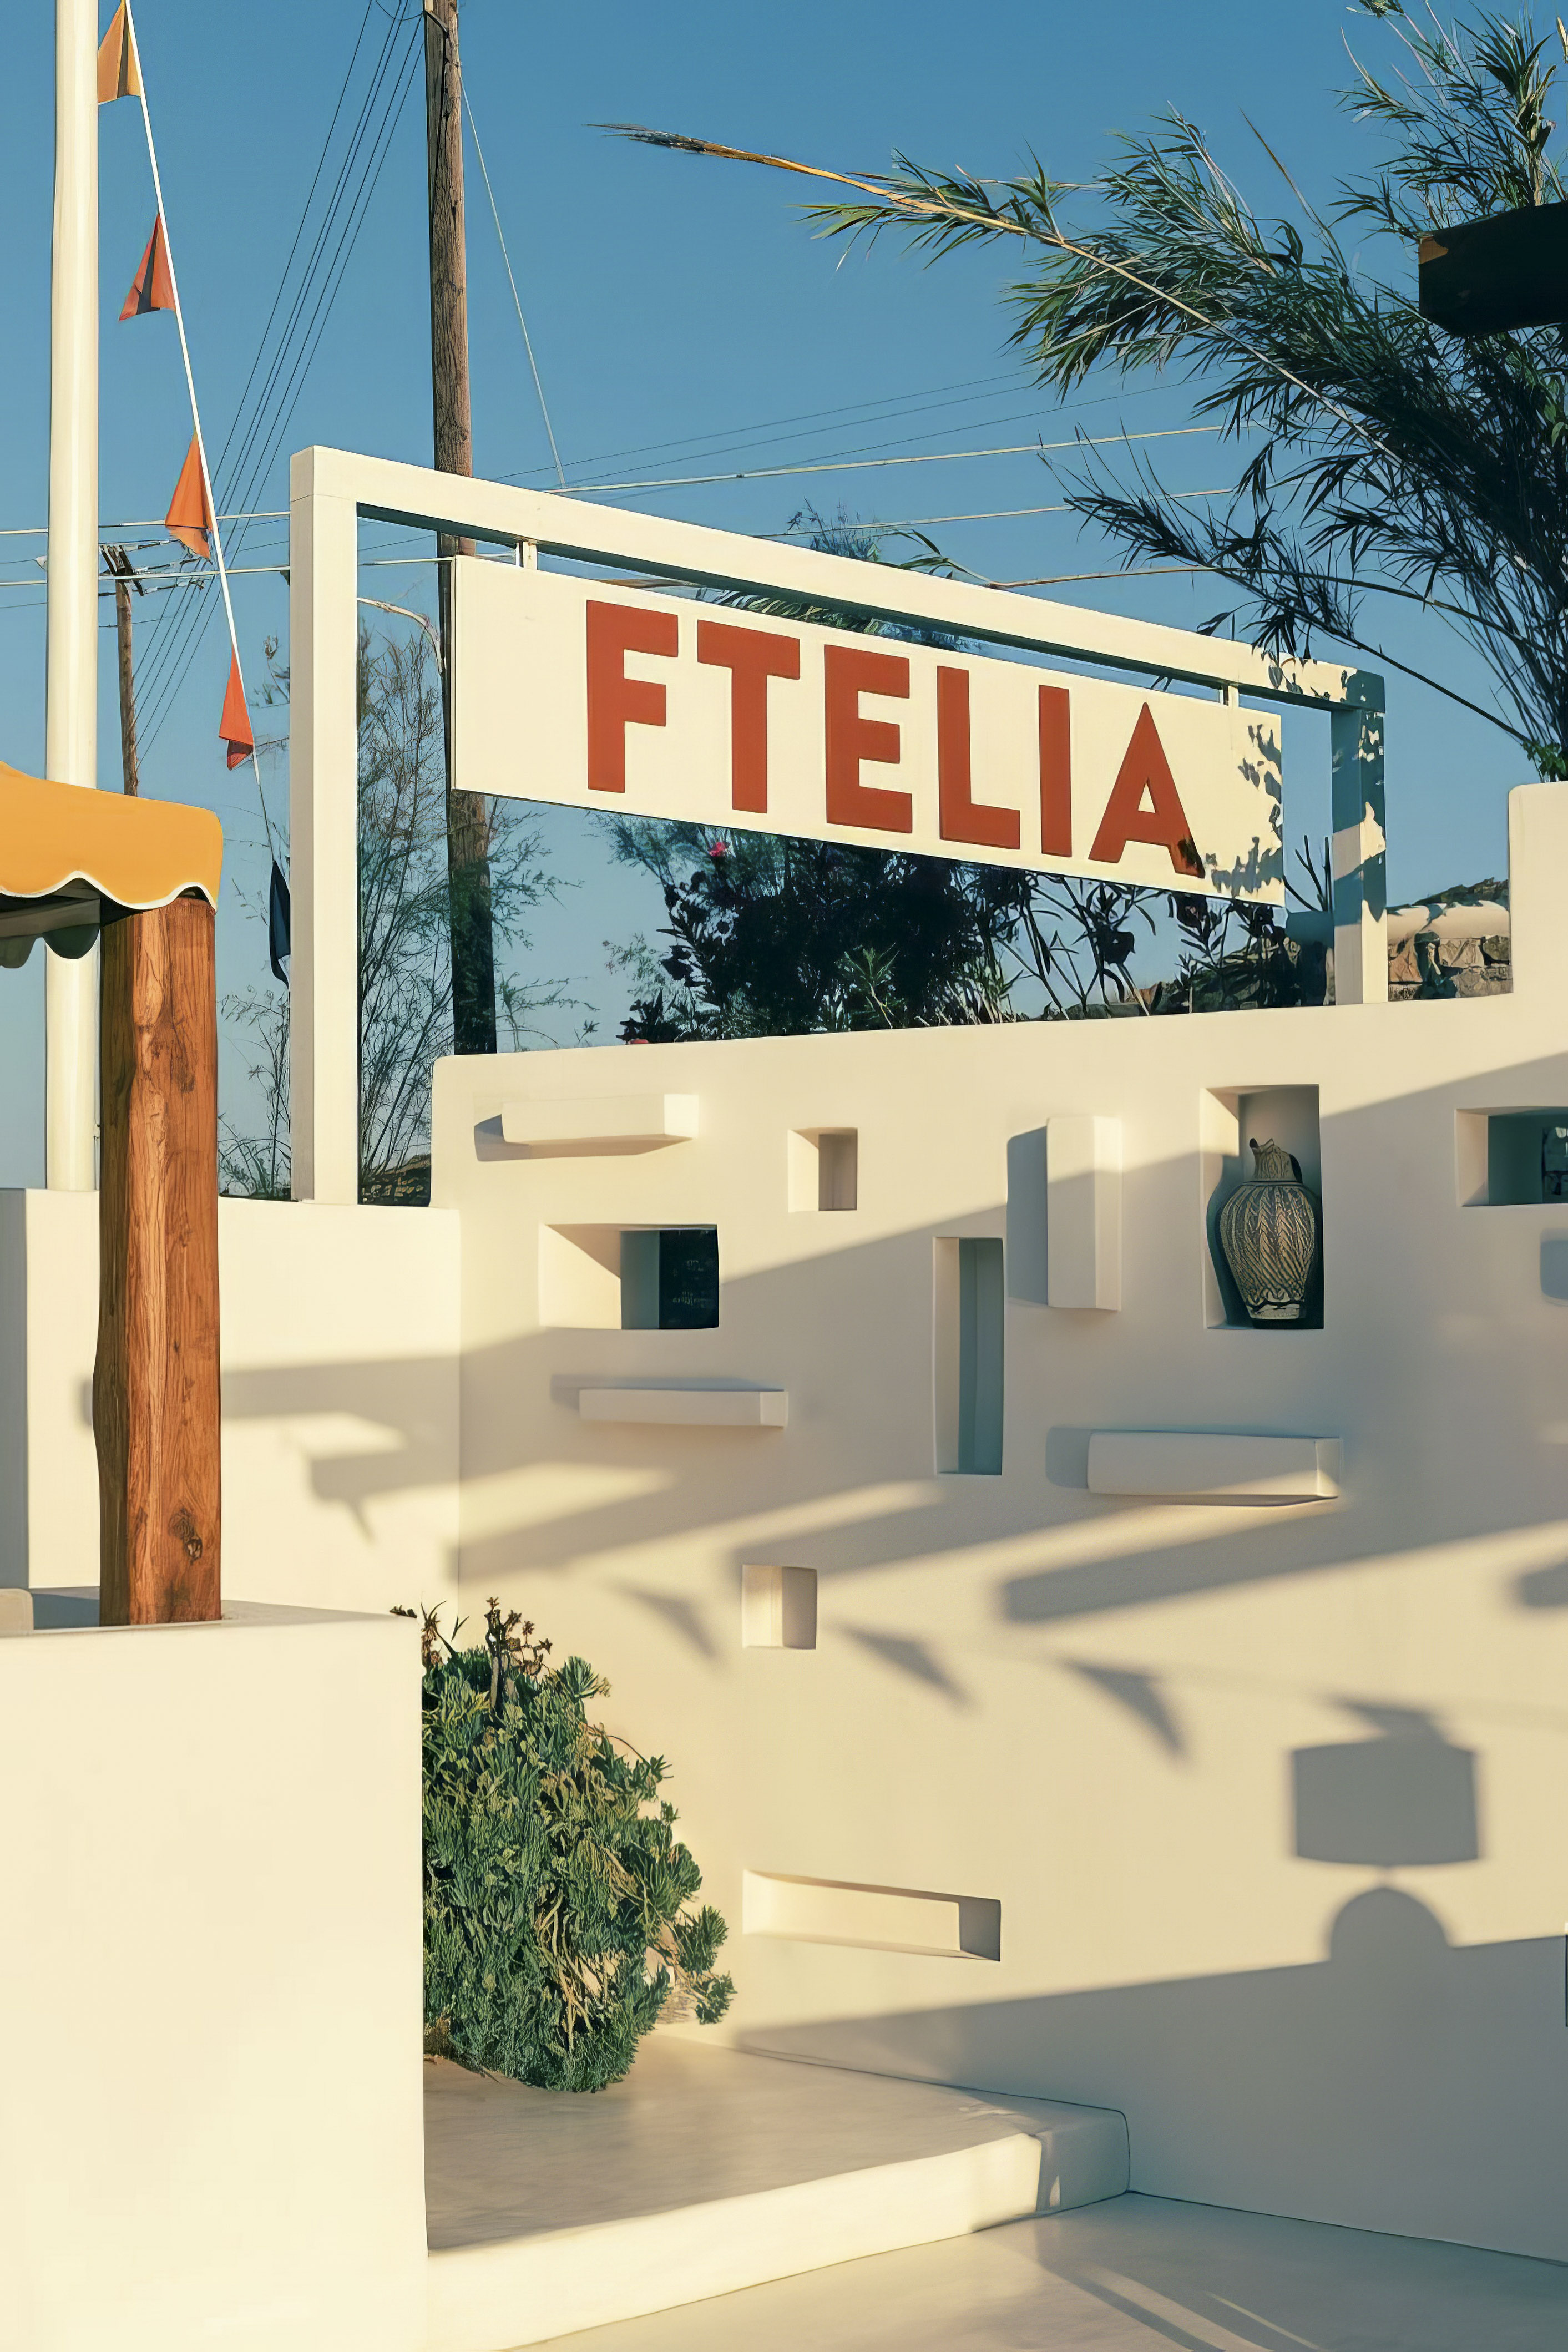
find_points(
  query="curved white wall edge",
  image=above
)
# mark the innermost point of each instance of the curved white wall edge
(1208, 1466)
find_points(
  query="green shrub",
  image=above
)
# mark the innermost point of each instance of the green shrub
(558, 1925)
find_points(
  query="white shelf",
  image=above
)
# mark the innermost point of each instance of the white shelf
(595, 1123)
(688, 1408)
(1203, 1467)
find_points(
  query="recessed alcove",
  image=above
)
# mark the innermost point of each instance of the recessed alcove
(1232, 1120)
(778, 1607)
(824, 1167)
(969, 1313)
(629, 1277)
(1512, 1159)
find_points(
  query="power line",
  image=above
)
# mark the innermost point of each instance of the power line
(517, 298)
(860, 464)
(173, 655)
(301, 335)
(803, 416)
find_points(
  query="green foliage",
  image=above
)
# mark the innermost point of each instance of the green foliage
(405, 919)
(1387, 459)
(559, 1915)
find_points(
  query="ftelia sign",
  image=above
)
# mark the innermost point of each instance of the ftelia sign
(610, 699)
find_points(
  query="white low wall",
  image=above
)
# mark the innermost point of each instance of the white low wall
(339, 1398)
(210, 1973)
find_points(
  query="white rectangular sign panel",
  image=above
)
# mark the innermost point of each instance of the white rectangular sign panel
(651, 705)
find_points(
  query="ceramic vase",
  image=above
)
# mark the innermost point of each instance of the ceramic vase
(1268, 1230)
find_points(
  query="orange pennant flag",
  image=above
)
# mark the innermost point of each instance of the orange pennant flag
(152, 289)
(119, 66)
(233, 728)
(190, 516)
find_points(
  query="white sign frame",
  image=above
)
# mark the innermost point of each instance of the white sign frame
(331, 489)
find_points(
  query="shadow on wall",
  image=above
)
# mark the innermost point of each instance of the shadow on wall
(869, 1303)
(1297, 2090)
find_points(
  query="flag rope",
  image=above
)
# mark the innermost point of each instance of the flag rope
(220, 565)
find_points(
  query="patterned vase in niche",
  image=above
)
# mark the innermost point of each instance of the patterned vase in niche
(1268, 1230)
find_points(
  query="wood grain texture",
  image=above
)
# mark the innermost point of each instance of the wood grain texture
(156, 1399)
(467, 813)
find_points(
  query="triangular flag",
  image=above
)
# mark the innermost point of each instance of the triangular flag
(119, 66)
(152, 289)
(234, 728)
(190, 516)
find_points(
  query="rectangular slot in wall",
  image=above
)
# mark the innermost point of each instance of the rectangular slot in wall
(778, 1608)
(1512, 1159)
(874, 1918)
(968, 1309)
(628, 1278)
(824, 1172)
(1231, 1121)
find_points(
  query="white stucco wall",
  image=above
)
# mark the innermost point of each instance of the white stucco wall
(211, 2104)
(1087, 1710)
(339, 1398)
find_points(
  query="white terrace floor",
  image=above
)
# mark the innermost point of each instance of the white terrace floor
(717, 2199)
(1137, 2274)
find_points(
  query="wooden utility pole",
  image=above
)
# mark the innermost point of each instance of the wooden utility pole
(155, 1380)
(467, 813)
(123, 573)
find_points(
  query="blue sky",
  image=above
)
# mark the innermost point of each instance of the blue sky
(679, 310)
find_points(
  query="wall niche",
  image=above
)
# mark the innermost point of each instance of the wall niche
(628, 1278)
(1512, 1159)
(1233, 1119)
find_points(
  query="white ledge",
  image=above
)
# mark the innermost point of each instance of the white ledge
(600, 1122)
(1201, 1466)
(688, 1408)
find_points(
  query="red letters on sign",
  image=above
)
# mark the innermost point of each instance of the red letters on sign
(848, 672)
(614, 700)
(1163, 823)
(963, 818)
(1055, 772)
(752, 656)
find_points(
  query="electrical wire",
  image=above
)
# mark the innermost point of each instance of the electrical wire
(173, 655)
(304, 325)
(865, 464)
(517, 298)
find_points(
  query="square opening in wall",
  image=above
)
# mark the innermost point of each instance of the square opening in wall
(628, 1278)
(1261, 1177)
(824, 1171)
(1512, 1159)
(778, 1608)
(669, 1279)
(970, 1311)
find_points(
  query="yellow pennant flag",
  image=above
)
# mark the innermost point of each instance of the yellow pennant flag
(119, 66)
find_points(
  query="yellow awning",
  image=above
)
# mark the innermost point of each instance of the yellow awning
(65, 853)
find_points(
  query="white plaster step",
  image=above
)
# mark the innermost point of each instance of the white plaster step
(708, 2171)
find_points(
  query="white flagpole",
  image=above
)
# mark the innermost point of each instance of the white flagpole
(70, 692)
(213, 532)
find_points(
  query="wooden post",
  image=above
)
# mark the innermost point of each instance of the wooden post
(123, 573)
(467, 813)
(156, 1381)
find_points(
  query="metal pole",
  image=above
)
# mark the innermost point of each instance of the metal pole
(70, 699)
